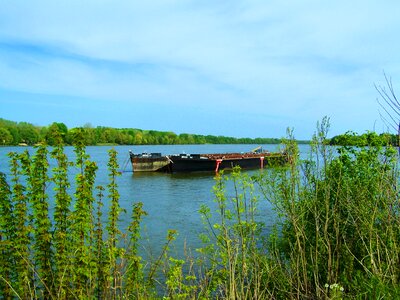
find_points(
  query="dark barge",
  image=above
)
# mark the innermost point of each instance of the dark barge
(148, 162)
(256, 159)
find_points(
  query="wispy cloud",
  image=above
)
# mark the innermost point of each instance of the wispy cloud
(257, 61)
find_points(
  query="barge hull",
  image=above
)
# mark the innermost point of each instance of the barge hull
(179, 164)
(149, 163)
(155, 162)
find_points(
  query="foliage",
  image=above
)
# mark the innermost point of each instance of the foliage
(114, 251)
(66, 255)
(55, 132)
(7, 227)
(231, 247)
(36, 172)
(13, 133)
(366, 139)
(18, 222)
(135, 282)
(339, 223)
(62, 223)
(336, 234)
(5, 137)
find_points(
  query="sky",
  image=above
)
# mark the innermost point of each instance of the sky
(235, 68)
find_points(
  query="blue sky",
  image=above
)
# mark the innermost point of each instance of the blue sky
(236, 68)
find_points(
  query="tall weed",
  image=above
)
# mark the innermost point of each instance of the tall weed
(68, 255)
(339, 222)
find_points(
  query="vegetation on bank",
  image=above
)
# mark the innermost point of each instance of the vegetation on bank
(337, 233)
(369, 138)
(13, 133)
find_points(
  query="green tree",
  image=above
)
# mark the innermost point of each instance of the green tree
(5, 137)
(55, 131)
(28, 133)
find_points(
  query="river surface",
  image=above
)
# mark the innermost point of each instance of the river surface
(172, 201)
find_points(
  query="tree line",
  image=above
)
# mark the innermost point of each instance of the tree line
(369, 138)
(23, 133)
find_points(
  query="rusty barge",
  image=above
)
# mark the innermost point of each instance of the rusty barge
(155, 162)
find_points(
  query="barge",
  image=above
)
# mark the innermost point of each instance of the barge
(256, 159)
(148, 162)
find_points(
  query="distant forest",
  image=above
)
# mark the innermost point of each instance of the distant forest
(23, 133)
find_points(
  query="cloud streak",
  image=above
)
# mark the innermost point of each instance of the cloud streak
(257, 66)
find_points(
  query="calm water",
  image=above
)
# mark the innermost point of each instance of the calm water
(172, 201)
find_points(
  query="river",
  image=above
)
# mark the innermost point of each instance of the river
(172, 201)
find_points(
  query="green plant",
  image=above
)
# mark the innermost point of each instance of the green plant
(7, 226)
(62, 222)
(114, 251)
(73, 256)
(339, 220)
(100, 255)
(82, 222)
(136, 285)
(36, 172)
(232, 251)
(19, 222)
(179, 285)
(336, 233)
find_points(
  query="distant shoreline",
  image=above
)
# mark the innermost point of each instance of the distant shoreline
(24, 134)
